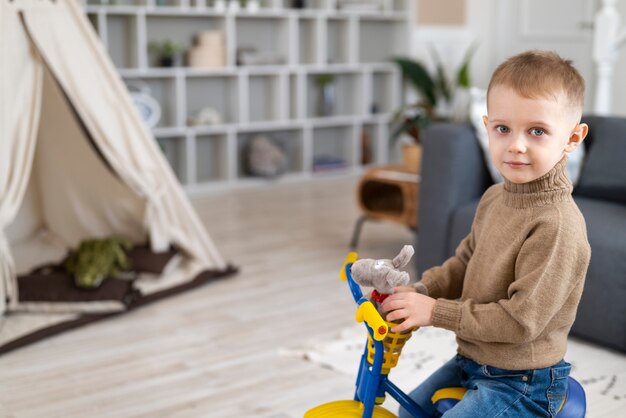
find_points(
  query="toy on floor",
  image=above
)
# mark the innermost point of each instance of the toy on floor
(381, 354)
(97, 259)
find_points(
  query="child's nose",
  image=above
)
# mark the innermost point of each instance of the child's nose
(517, 144)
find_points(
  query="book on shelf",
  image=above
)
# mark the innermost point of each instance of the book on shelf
(328, 163)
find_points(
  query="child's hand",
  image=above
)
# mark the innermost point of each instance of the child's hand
(415, 308)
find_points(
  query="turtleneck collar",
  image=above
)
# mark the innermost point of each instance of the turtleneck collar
(552, 187)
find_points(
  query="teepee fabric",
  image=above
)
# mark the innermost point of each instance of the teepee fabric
(76, 161)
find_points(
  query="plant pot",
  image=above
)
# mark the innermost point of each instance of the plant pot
(412, 157)
(166, 61)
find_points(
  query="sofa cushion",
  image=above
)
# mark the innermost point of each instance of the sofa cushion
(601, 314)
(603, 175)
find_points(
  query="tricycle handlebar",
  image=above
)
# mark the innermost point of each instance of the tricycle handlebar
(366, 312)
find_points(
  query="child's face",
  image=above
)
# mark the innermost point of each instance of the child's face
(527, 137)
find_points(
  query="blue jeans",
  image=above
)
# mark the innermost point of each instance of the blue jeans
(494, 392)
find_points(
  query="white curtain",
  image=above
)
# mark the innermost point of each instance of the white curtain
(78, 62)
(20, 94)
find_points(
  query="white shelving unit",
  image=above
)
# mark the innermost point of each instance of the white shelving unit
(279, 100)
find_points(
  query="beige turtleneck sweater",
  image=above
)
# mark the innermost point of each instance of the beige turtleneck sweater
(511, 291)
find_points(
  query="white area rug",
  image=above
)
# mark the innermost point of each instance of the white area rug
(601, 372)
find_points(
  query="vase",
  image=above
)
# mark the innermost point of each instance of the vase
(166, 61)
(326, 100)
(412, 157)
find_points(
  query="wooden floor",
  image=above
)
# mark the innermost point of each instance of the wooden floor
(216, 351)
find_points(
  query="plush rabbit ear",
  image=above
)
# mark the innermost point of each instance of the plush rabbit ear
(404, 257)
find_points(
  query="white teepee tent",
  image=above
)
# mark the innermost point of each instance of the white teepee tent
(76, 161)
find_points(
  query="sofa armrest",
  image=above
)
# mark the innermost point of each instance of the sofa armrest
(453, 173)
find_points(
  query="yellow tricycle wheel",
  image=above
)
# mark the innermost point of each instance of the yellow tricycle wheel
(345, 409)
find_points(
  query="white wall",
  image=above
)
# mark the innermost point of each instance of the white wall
(619, 74)
(481, 26)
(453, 41)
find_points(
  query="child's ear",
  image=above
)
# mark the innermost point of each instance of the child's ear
(576, 138)
(485, 120)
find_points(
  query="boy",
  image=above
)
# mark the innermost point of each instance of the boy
(511, 291)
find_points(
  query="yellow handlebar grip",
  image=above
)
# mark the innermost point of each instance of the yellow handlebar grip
(368, 313)
(351, 258)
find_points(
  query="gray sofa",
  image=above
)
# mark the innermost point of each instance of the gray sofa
(454, 176)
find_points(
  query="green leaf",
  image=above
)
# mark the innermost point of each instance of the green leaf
(441, 81)
(419, 77)
(463, 76)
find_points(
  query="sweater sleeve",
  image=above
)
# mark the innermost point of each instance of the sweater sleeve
(446, 281)
(552, 261)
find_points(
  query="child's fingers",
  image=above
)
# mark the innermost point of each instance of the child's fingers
(397, 314)
(403, 289)
(392, 303)
(402, 327)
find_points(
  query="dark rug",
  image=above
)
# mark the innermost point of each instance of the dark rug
(52, 284)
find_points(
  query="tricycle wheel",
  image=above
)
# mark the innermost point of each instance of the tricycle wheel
(345, 409)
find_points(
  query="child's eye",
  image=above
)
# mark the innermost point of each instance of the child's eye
(537, 131)
(503, 129)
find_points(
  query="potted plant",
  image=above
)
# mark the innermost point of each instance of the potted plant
(165, 51)
(437, 97)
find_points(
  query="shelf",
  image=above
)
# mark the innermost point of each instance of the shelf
(264, 101)
(380, 40)
(173, 148)
(308, 42)
(121, 40)
(343, 92)
(220, 93)
(338, 41)
(211, 158)
(261, 40)
(265, 83)
(333, 149)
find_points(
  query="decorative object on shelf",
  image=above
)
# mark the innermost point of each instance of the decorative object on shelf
(326, 94)
(149, 109)
(438, 97)
(166, 52)
(412, 157)
(323, 163)
(219, 5)
(264, 157)
(247, 55)
(361, 6)
(207, 116)
(267, 85)
(366, 149)
(209, 51)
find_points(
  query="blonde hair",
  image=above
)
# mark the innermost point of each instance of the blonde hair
(538, 73)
